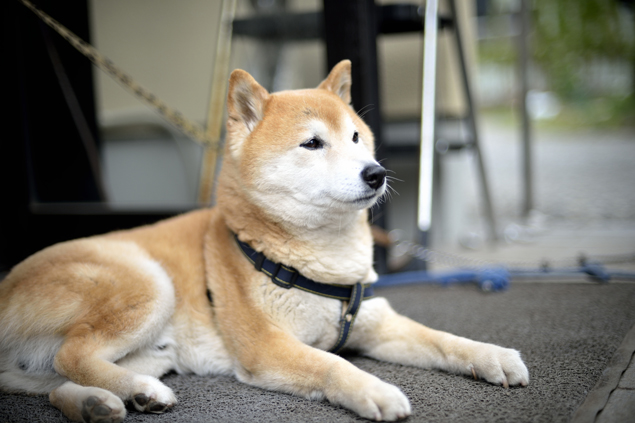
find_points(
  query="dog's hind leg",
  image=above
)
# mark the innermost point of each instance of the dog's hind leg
(126, 311)
(81, 362)
(93, 346)
(88, 404)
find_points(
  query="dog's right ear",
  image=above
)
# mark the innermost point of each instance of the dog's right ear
(245, 100)
(339, 81)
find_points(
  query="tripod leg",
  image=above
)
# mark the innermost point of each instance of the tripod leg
(487, 200)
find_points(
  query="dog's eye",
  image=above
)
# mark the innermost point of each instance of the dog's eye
(313, 144)
(355, 137)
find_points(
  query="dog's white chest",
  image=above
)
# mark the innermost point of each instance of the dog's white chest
(313, 319)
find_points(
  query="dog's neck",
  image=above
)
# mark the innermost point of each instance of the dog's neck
(340, 251)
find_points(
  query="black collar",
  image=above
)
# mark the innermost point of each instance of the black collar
(288, 277)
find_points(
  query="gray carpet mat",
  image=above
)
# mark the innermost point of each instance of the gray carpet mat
(567, 333)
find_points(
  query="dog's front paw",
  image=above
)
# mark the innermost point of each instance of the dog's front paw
(387, 403)
(497, 365)
(151, 396)
(374, 399)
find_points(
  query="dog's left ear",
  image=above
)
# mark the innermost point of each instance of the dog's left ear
(339, 81)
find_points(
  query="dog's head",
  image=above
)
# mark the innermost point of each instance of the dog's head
(303, 156)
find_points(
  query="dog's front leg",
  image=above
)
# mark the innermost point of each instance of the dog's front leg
(278, 361)
(388, 336)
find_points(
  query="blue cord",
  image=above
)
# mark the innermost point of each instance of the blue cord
(498, 278)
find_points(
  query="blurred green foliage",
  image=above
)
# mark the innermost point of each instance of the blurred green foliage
(568, 34)
(566, 37)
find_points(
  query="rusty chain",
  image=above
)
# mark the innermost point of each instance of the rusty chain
(191, 129)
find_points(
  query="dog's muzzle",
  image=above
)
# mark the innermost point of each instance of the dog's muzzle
(374, 175)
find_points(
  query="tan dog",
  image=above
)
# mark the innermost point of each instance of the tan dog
(94, 322)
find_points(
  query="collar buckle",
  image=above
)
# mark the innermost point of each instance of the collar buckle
(284, 282)
(294, 277)
(274, 277)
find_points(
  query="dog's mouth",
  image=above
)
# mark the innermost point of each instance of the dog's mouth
(368, 200)
(360, 202)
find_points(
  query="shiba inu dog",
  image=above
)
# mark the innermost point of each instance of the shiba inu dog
(262, 286)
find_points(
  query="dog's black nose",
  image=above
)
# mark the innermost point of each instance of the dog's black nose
(374, 175)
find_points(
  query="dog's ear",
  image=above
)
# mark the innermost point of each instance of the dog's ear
(245, 99)
(339, 81)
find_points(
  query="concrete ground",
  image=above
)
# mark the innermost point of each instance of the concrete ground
(569, 336)
(585, 195)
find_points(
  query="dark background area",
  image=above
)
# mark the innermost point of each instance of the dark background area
(49, 191)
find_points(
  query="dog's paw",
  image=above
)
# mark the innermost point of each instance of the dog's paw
(151, 396)
(376, 400)
(497, 365)
(101, 406)
(385, 402)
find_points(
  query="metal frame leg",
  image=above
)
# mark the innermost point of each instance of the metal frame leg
(523, 65)
(487, 199)
(428, 116)
(216, 102)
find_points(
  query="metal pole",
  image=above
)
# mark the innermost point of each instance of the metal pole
(428, 113)
(487, 199)
(528, 203)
